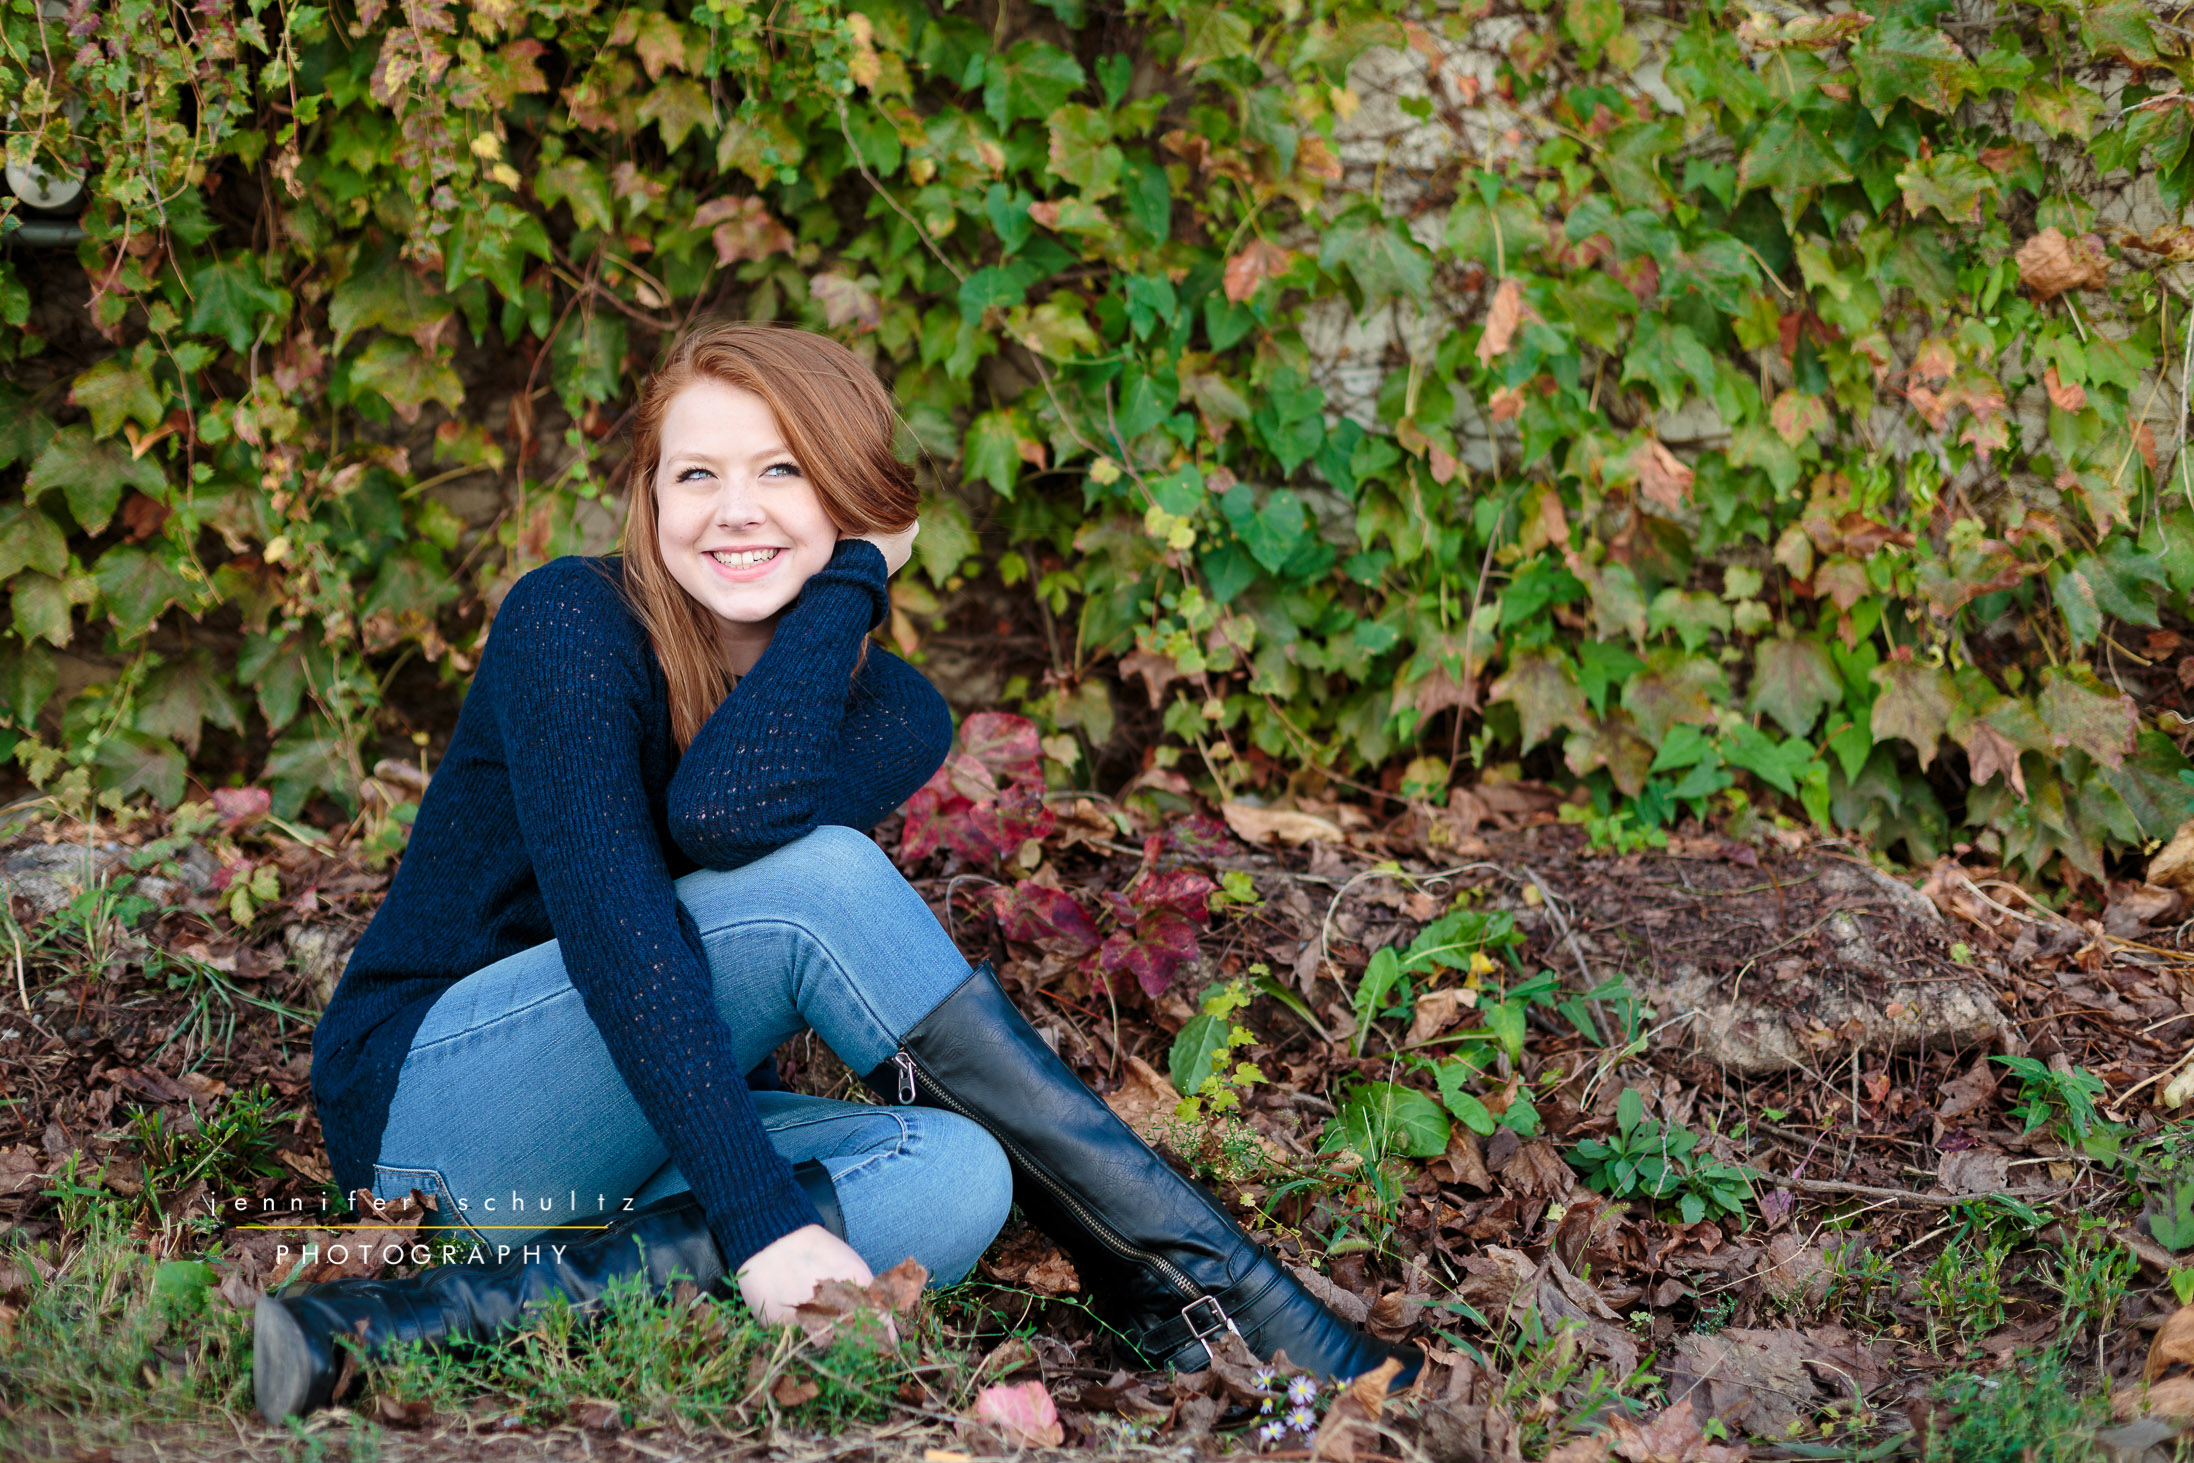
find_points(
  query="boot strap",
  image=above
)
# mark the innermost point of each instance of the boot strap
(1202, 1321)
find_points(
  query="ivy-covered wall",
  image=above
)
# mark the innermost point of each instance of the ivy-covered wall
(1713, 406)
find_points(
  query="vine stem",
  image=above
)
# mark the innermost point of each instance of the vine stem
(853, 150)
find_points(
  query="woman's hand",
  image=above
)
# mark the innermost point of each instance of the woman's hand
(779, 1276)
(897, 547)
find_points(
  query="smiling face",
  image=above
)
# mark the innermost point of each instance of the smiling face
(740, 525)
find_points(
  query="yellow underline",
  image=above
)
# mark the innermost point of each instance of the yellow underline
(529, 1228)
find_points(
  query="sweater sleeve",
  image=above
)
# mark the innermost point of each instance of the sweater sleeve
(896, 734)
(762, 770)
(570, 695)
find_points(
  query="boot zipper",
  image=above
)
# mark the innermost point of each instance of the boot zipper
(1174, 1276)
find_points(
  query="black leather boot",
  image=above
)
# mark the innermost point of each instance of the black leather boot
(296, 1362)
(1153, 1249)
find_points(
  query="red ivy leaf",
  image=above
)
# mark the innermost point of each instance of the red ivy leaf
(1005, 744)
(1181, 891)
(1154, 952)
(1037, 914)
(933, 809)
(1019, 815)
(1200, 837)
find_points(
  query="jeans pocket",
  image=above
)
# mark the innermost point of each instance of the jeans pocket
(393, 1182)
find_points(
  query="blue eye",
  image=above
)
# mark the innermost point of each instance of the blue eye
(788, 467)
(690, 472)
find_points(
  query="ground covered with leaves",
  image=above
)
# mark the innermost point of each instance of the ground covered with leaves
(1731, 1144)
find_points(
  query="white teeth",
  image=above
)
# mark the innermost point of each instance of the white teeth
(744, 556)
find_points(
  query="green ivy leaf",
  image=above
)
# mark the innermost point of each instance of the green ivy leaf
(115, 390)
(1213, 33)
(1791, 155)
(1381, 259)
(1916, 703)
(1545, 698)
(1900, 61)
(232, 299)
(588, 361)
(139, 584)
(1592, 24)
(1082, 153)
(1950, 183)
(1792, 680)
(998, 442)
(92, 475)
(42, 605)
(1032, 80)
(30, 539)
(678, 107)
(947, 539)
(2079, 712)
(2120, 28)
(1673, 688)
(407, 378)
(180, 697)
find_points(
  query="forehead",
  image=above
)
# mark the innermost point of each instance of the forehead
(712, 415)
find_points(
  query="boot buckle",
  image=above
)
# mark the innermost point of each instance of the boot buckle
(1217, 1323)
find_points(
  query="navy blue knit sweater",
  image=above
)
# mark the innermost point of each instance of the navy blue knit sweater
(563, 810)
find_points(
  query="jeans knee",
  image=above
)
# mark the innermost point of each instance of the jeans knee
(973, 1184)
(836, 856)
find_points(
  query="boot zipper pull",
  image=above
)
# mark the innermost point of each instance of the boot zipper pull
(905, 1064)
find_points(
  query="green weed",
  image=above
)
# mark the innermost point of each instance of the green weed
(1964, 1288)
(694, 1361)
(117, 1337)
(2032, 1415)
(2066, 1100)
(1648, 1160)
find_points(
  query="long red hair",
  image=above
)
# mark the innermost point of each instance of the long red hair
(839, 421)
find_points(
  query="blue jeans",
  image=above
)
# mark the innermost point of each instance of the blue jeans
(509, 1111)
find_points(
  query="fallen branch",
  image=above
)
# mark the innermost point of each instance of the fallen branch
(1906, 1196)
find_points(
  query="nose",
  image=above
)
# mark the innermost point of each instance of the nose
(738, 504)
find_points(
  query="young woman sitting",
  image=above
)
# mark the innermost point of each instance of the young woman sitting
(641, 867)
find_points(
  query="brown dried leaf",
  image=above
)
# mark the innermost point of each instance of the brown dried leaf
(362, 1250)
(404, 1414)
(1023, 1413)
(1662, 476)
(598, 1414)
(2173, 1346)
(2068, 396)
(1988, 752)
(1671, 1437)
(2051, 264)
(1144, 1100)
(791, 1391)
(1504, 317)
(1436, 1012)
(895, 1292)
(1278, 825)
(1348, 1427)
(1258, 262)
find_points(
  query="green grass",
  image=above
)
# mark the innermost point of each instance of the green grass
(2017, 1415)
(115, 1341)
(695, 1362)
(117, 1336)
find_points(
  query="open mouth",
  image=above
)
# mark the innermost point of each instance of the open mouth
(743, 558)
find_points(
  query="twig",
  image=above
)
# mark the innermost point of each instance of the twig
(1907, 1196)
(853, 149)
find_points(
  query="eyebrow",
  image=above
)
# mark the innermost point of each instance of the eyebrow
(709, 459)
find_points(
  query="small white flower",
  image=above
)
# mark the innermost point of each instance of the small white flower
(1270, 1433)
(1302, 1391)
(1265, 1378)
(1303, 1420)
